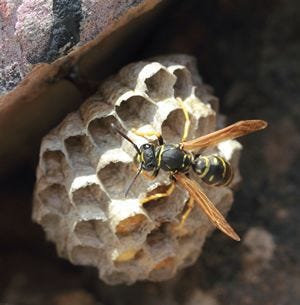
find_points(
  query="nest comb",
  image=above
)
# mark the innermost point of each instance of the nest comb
(84, 169)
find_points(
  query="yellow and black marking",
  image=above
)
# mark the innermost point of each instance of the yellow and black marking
(213, 170)
(159, 154)
(156, 196)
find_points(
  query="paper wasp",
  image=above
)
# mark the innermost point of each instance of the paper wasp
(177, 159)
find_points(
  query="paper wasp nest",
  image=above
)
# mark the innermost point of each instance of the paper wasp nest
(84, 169)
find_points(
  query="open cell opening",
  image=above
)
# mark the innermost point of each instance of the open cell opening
(160, 85)
(54, 164)
(166, 208)
(183, 84)
(92, 196)
(84, 255)
(204, 125)
(167, 263)
(160, 243)
(157, 209)
(86, 232)
(55, 198)
(115, 178)
(163, 270)
(131, 225)
(102, 134)
(158, 238)
(76, 151)
(173, 126)
(104, 232)
(136, 111)
(128, 257)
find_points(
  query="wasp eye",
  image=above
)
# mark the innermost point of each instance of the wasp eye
(147, 146)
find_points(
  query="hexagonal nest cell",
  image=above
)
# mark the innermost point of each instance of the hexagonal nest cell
(113, 176)
(130, 225)
(85, 168)
(165, 209)
(54, 162)
(160, 85)
(171, 132)
(183, 85)
(136, 111)
(102, 135)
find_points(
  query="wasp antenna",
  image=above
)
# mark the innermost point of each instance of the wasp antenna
(133, 180)
(115, 128)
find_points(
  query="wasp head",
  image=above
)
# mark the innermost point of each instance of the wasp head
(147, 157)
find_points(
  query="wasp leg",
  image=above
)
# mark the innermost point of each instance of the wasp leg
(190, 206)
(159, 195)
(149, 133)
(151, 176)
(187, 120)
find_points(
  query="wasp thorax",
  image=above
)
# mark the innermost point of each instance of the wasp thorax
(85, 168)
(172, 158)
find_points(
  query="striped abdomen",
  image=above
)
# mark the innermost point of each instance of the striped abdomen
(213, 169)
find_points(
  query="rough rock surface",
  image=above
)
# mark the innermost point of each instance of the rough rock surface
(85, 167)
(40, 31)
(53, 54)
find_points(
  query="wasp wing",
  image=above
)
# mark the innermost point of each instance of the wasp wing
(233, 131)
(206, 205)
